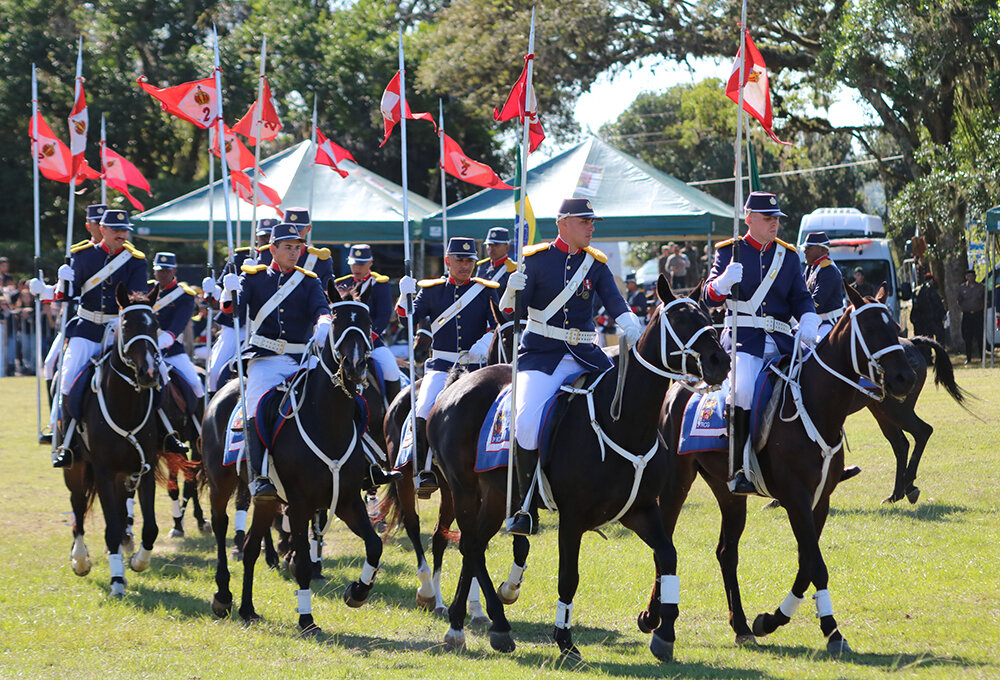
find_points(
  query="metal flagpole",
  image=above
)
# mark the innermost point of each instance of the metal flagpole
(444, 193)
(737, 206)
(38, 253)
(312, 170)
(104, 143)
(520, 225)
(210, 260)
(258, 124)
(407, 261)
(229, 230)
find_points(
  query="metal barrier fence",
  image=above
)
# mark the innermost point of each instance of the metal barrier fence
(17, 340)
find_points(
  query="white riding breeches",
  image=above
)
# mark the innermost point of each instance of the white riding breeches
(223, 351)
(263, 373)
(430, 387)
(747, 369)
(386, 363)
(78, 352)
(49, 368)
(534, 388)
(182, 364)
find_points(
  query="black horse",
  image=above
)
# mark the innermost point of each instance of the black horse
(801, 462)
(317, 462)
(116, 439)
(611, 470)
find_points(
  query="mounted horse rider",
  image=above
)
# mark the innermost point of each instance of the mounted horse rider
(97, 269)
(380, 308)
(561, 284)
(824, 281)
(497, 267)
(286, 308)
(772, 290)
(174, 308)
(459, 305)
(93, 224)
(315, 260)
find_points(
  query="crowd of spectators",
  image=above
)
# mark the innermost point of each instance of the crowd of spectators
(17, 324)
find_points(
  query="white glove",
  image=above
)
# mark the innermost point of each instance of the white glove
(164, 340)
(631, 326)
(211, 288)
(39, 289)
(727, 279)
(230, 285)
(322, 331)
(809, 328)
(480, 351)
(407, 286)
(515, 282)
(65, 273)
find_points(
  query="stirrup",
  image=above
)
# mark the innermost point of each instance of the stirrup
(379, 476)
(262, 489)
(522, 524)
(172, 443)
(850, 471)
(62, 457)
(739, 485)
(427, 484)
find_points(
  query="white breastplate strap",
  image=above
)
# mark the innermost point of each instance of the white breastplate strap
(284, 290)
(452, 311)
(104, 272)
(165, 300)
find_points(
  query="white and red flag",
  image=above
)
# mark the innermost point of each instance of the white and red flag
(243, 186)
(390, 109)
(54, 158)
(521, 104)
(119, 174)
(269, 122)
(195, 102)
(756, 89)
(329, 153)
(78, 125)
(457, 164)
(238, 156)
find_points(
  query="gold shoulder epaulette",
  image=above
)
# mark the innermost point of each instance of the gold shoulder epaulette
(825, 263)
(537, 248)
(343, 278)
(151, 281)
(787, 245)
(307, 272)
(482, 261)
(723, 244)
(427, 283)
(253, 268)
(244, 249)
(188, 289)
(511, 265)
(321, 253)
(79, 244)
(82, 245)
(261, 249)
(598, 255)
(136, 253)
(380, 278)
(486, 282)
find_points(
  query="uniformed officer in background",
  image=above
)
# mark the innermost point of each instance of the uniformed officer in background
(824, 282)
(498, 266)
(635, 296)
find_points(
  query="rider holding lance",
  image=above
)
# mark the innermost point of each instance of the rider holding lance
(561, 283)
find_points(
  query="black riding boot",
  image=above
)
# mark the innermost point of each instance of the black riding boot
(171, 442)
(391, 390)
(427, 482)
(62, 456)
(524, 523)
(739, 484)
(260, 486)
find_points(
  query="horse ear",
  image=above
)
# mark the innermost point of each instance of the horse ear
(332, 292)
(663, 289)
(855, 297)
(122, 296)
(696, 293)
(883, 293)
(154, 293)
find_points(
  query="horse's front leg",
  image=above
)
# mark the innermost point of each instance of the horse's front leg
(570, 536)
(727, 552)
(147, 497)
(351, 509)
(77, 482)
(439, 543)
(112, 492)
(298, 518)
(222, 599)
(240, 519)
(646, 523)
(263, 515)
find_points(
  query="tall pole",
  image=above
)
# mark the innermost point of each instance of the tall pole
(407, 256)
(210, 259)
(104, 142)
(38, 253)
(258, 124)
(444, 192)
(312, 169)
(519, 226)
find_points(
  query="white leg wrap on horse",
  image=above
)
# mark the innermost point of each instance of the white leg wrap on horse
(790, 604)
(117, 564)
(175, 509)
(824, 607)
(130, 507)
(240, 521)
(670, 589)
(304, 598)
(314, 550)
(368, 573)
(564, 614)
(438, 596)
(474, 592)
(516, 574)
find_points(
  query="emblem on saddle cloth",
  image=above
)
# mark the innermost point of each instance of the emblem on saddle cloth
(494, 436)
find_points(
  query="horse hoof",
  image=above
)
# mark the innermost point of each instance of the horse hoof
(758, 626)
(425, 602)
(891, 499)
(773, 505)
(913, 494)
(838, 647)
(81, 567)
(661, 649)
(502, 642)
(354, 600)
(746, 640)
(441, 611)
(317, 572)
(206, 527)
(508, 593)
(454, 639)
(117, 590)
(176, 533)
(250, 617)
(237, 554)
(312, 631)
(480, 620)
(570, 654)
(221, 609)
(645, 625)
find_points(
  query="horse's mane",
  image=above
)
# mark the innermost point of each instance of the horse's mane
(138, 297)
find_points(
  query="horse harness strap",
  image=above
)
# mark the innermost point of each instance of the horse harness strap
(684, 349)
(107, 270)
(452, 311)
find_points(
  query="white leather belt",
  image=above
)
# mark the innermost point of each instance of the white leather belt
(95, 317)
(766, 323)
(832, 316)
(571, 336)
(454, 357)
(277, 346)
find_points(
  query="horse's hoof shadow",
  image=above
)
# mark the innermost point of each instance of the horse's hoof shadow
(312, 631)
(838, 647)
(220, 608)
(645, 623)
(356, 594)
(502, 642)
(746, 640)
(480, 621)
(660, 648)
(454, 639)
(913, 494)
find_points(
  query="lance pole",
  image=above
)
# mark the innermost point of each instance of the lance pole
(312, 170)
(38, 252)
(210, 262)
(444, 193)
(258, 125)
(104, 143)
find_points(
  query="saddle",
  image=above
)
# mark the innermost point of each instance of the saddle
(87, 382)
(183, 394)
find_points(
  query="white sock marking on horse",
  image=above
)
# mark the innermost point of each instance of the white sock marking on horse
(564, 614)
(368, 574)
(314, 550)
(475, 604)
(516, 575)
(438, 597)
(117, 564)
(670, 589)
(304, 598)
(286, 526)
(426, 588)
(790, 604)
(175, 509)
(240, 521)
(824, 607)
(130, 508)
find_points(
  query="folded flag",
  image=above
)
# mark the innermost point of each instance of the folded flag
(328, 153)
(119, 174)
(521, 103)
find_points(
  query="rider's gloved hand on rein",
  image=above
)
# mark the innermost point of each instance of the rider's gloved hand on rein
(480, 351)
(65, 273)
(809, 328)
(631, 327)
(211, 288)
(515, 282)
(732, 275)
(230, 285)
(39, 289)
(322, 331)
(407, 286)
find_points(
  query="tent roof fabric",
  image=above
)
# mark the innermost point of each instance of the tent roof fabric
(361, 207)
(637, 201)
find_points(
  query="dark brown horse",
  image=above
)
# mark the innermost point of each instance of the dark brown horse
(601, 469)
(801, 463)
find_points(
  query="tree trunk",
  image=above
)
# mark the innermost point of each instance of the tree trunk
(952, 249)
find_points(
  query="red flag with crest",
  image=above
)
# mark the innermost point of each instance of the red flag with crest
(243, 186)
(328, 153)
(78, 124)
(457, 164)
(54, 158)
(119, 174)
(756, 88)
(238, 156)
(390, 109)
(269, 120)
(196, 101)
(521, 105)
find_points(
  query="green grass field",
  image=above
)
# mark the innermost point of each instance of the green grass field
(914, 587)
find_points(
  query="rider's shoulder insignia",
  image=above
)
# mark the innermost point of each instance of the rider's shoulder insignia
(321, 253)
(486, 282)
(244, 249)
(261, 249)
(307, 272)
(150, 281)
(537, 248)
(482, 261)
(787, 245)
(345, 277)
(598, 255)
(81, 245)
(188, 289)
(825, 263)
(427, 283)
(723, 244)
(511, 265)
(380, 278)
(253, 268)
(136, 253)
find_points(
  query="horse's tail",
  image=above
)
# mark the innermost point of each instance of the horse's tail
(944, 373)
(175, 466)
(389, 511)
(454, 373)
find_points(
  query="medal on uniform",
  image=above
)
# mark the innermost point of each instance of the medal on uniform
(585, 290)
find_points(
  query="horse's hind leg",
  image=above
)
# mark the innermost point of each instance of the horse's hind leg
(147, 495)
(439, 543)
(427, 595)
(298, 519)
(222, 600)
(176, 507)
(570, 536)
(510, 590)
(316, 545)
(351, 509)
(900, 450)
(76, 481)
(263, 513)
(727, 552)
(648, 526)
(921, 432)
(240, 519)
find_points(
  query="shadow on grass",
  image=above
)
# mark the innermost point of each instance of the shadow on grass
(884, 662)
(926, 512)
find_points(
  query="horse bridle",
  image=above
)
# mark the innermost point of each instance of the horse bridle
(501, 347)
(122, 346)
(684, 349)
(337, 376)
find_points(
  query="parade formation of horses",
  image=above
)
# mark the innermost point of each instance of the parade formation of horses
(801, 461)
(612, 471)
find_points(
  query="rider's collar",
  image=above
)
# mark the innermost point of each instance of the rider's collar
(275, 267)
(757, 244)
(364, 278)
(104, 247)
(170, 285)
(563, 246)
(819, 260)
(452, 281)
(497, 263)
